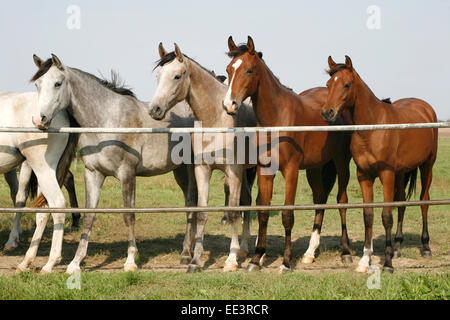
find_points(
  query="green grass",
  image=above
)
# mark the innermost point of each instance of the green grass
(211, 285)
(159, 239)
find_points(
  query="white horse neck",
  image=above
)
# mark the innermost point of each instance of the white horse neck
(205, 97)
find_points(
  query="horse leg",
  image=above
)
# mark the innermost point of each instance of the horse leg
(399, 196)
(426, 176)
(366, 184)
(245, 200)
(49, 187)
(13, 183)
(69, 184)
(93, 181)
(129, 196)
(185, 177)
(234, 181)
(343, 173)
(320, 196)
(387, 178)
(265, 183)
(202, 176)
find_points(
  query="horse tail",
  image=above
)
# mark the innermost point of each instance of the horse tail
(411, 177)
(329, 173)
(33, 185)
(63, 165)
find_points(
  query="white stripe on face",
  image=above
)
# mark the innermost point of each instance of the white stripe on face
(227, 102)
(335, 79)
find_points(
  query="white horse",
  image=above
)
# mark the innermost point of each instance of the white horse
(48, 155)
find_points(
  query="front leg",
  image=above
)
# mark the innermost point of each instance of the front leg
(366, 184)
(94, 182)
(129, 197)
(387, 178)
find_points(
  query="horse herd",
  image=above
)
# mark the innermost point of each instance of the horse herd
(253, 97)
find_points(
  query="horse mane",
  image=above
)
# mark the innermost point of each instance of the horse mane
(338, 67)
(115, 84)
(387, 100)
(240, 50)
(169, 57)
(42, 69)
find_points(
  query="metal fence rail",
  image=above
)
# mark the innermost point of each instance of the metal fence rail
(234, 208)
(232, 130)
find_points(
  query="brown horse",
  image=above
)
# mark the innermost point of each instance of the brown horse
(323, 154)
(391, 155)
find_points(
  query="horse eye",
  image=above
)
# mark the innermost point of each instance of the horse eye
(250, 70)
(347, 85)
(58, 84)
(177, 77)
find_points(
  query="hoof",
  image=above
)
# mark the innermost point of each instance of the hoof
(230, 267)
(129, 267)
(9, 248)
(388, 269)
(397, 254)
(261, 261)
(45, 271)
(253, 267)
(242, 253)
(307, 259)
(74, 228)
(426, 253)
(362, 268)
(71, 269)
(347, 259)
(20, 269)
(283, 269)
(185, 260)
(193, 268)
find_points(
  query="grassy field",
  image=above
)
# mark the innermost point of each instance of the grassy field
(159, 239)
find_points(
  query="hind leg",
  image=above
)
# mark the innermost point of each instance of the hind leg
(245, 200)
(185, 178)
(426, 176)
(399, 196)
(343, 173)
(13, 240)
(69, 184)
(320, 196)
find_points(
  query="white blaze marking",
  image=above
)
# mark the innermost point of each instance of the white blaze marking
(335, 78)
(227, 100)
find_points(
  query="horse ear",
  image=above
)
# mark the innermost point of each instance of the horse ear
(250, 45)
(331, 62)
(162, 51)
(231, 45)
(178, 53)
(37, 61)
(348, 62)
(57, 62)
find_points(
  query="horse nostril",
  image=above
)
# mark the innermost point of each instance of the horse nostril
(43, 119)
(330, 112)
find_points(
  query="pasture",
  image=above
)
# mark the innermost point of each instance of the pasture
(159, 241)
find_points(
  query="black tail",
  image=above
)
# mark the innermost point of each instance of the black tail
(33, 185)
(411, 177)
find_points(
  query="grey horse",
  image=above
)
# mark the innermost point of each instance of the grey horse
(94, 102)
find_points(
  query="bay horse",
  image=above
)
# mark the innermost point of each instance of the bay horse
(95, 102)
(48, 155)
(19, 191)
(322, 154)
(392, 155)
(180, 78)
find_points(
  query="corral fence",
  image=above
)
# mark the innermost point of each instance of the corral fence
(340, 128)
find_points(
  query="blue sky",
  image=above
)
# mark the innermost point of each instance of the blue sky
(407, 57)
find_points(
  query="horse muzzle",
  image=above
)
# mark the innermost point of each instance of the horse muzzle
(329, 115)
(157, 112)
(231, 107)
(42, 123)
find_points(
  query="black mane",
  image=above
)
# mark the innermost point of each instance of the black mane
(115, 84)
(338, 67)
(240, 50)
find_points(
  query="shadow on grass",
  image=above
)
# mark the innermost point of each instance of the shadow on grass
(217, 245)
